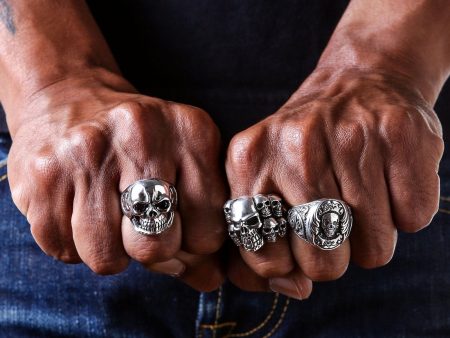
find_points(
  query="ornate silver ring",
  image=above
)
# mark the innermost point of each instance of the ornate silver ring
(150, 205)
(254, 220)
(324, 223)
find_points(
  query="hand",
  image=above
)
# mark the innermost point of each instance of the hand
(83, 141)
(364, 137)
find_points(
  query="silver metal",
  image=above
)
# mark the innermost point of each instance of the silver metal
(254, 220)
(324, 223)
(150, 205)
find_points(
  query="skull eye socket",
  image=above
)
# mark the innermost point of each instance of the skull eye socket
(259, 205)
(163, 205)
(227, 210)
(140, 207)
(274, 203)
(254, 220)
(267, 203)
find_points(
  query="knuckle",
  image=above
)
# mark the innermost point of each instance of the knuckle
(410, 218)
(242, 150)
(351, 138)
(398, 126)
(198, 127)
(130, 114)
(86, 145)
(45, 168)
(19, 198)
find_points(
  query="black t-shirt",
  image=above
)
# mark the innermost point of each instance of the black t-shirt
(237, 59)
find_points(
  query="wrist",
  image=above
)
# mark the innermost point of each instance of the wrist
(346, 51)
(405, 40)
(85, 86)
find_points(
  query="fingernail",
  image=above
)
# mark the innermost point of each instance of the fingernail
(286, 286)
(173, 267)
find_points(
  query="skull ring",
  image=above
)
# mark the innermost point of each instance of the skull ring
(324, 223)
(254, 220)
(150, 205)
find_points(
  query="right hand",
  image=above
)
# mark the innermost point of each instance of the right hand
(81, 141)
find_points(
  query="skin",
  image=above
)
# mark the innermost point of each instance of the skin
(361, 128)
(87, 134)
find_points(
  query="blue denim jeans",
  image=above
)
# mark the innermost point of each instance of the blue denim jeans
(41, 297)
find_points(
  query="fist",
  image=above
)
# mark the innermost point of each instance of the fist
(361, 137)
(82, 142)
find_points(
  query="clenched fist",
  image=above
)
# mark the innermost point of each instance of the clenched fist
(83, 141)
(360, 136)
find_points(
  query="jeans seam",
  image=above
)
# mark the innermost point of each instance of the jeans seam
(218, 305)
(280, 321)
(261, 325)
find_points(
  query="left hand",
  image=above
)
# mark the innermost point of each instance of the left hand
(364, 137)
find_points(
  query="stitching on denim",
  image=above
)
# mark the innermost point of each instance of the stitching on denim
(263, 323)
(218, 305)
(234, 324)
(280, 321)
(218, 326)
(445, 198)
(3, 177)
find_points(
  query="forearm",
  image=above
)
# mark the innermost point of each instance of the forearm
(408, 38)
(45, 41)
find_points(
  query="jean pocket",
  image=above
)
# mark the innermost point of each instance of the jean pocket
(230, 312)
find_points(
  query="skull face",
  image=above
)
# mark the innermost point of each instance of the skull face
(330, 224)
(245, 218)
(150, 204)
(282, 226)
(233, 231)
(277, 206)
(263, 205)
(227, 211)
(270, 229)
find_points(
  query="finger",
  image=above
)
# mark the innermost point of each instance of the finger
(373, 237)
(295, 285)
(202, 192)
(317, 264)
(250, 174)
(413, 183)
(96, 221)
(242, 276)
(49, 206)
(306, 174)
(360, 170)
(202, 272)
(148, 249)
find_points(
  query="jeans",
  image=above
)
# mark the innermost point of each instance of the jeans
(41, 297)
